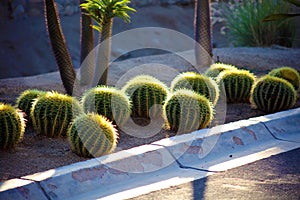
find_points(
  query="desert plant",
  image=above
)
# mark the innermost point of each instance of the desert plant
(271, 94)
(287, 73)
(197, 82)
(92, 135)
(145, 93)
(281, 15)
(237, 84)
(52, 113)
(203, 32)
(245, 27)
(25, 100)
(59, 47)
(12, 126)
(215, 69)
(103, 12)
(186, 111)
(110, 102)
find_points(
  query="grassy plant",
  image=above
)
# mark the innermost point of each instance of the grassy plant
(244, 21)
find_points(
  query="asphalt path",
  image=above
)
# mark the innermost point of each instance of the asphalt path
(276, 177)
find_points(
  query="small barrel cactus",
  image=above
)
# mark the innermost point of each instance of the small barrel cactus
(146, 94)
(12, 126)
(186, 111)
(215, 69)
(287, 73)
(25, 100)
(109, 102)
(52, 113)
(271, 94)
(197, 82)
(237, 84)
(92, 135)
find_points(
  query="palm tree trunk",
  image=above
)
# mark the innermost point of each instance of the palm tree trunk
(104, 51)
(87, 45)
(203, 33)
(59, 47)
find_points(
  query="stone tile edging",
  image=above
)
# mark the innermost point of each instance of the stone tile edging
(200, 150)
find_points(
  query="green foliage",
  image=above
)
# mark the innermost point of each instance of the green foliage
(109, 102)
(215, 69)
(92, 135)
(280, 16)
(271, 94)
(244, 21)
(52, 113)
(101, 10)
(237, 84)
(289, 74)
(186, 111)
(25, 100)
(12, 126)
(197, 82)
(146, 93)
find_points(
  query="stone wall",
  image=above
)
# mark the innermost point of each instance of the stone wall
(20, 8)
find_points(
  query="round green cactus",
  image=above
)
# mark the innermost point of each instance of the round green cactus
(12, 126)
(186, 111)
(52, 113)
(271, 94)
(215, 69)
(110, 102)
(197, 82)
(287, 73)
(237, 84)
(92, 135)
(146, 93)
(25, 100)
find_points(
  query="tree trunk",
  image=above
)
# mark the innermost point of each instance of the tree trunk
(203, 33)
(59, 47)
(104, 50)
(87, 45)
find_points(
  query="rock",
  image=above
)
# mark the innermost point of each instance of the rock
(69, 10)
(19, 10)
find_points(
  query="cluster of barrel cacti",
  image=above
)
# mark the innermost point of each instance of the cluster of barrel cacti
(188, 105)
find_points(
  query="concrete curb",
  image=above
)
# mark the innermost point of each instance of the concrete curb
(188, 156)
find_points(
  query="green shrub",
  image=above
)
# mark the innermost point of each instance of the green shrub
(271, 94)
(52, 113)
(146, 93)
(25, 100)
(215, 69)
(289, 74)
(245, 27)
(237, 85)
(198, 83)
(12, 126)
(187, 111)
(92, 135)
(109, 102)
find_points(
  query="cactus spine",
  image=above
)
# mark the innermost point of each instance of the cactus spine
(52, 113)
(197, 82)
(186, 111)
(12, 126)
(92, 135)
(237, 84)
(146, 93)
(215, 69)
(271, 94)
(289, 74)
(25, 100)
(109, 102)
